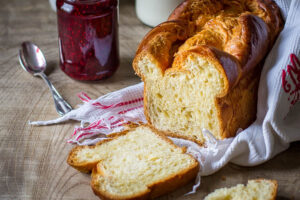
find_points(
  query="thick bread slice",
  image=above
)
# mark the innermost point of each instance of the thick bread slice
(259, 189)
(135, 164)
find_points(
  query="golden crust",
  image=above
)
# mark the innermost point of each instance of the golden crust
(238, 108)
(162, 40)
(259, 22)
(235, 35)
(275, 186)
(190, 10)
(273, 17)
(258, 41)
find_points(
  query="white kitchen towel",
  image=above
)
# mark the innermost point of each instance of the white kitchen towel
(278, 114)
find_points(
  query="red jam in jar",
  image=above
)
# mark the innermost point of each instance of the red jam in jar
(88, 38)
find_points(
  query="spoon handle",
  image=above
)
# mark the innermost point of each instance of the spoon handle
(61, 105)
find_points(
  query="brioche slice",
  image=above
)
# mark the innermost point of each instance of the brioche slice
(137, 163)
(259, 189)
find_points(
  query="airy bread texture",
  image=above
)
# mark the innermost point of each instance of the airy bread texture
(135, 164)
(201, 67)
(259, 189)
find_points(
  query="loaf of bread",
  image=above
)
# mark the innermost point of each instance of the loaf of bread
(201, 68)
(260, 189)
(135, 164)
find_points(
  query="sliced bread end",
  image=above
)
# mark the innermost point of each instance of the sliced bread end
(258, 189)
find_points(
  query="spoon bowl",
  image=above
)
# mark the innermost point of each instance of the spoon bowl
(33, 61)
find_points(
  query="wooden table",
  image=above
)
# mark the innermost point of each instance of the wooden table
(33, 159)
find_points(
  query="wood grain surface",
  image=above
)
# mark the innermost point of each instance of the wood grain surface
(33, 159)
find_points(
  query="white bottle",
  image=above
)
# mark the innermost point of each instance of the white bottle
(53, 4)
(154, 12)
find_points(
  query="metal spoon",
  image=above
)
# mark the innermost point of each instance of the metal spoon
(33, 61)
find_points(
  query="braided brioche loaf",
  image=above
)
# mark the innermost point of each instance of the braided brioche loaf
(201, 68)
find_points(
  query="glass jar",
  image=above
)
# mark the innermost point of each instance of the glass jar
(88, 38)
